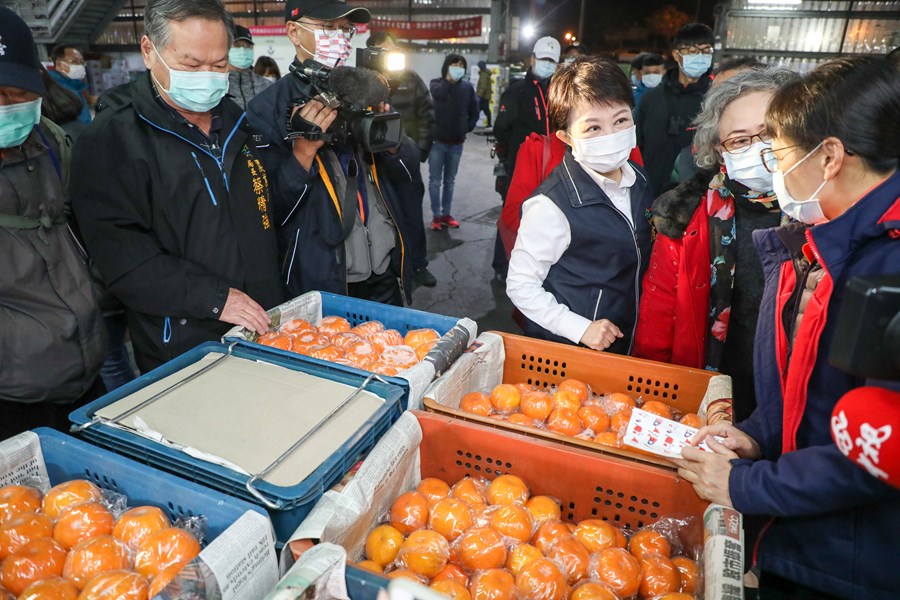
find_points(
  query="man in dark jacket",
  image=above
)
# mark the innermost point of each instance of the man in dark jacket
(243, 82)
(666, 112)
(335, 208)
(171, 200)
(53, 339)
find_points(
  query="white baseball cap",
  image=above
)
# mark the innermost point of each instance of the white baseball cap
(547, 47)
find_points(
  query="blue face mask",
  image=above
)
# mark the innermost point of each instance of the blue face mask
(196, 91)
(695, 65)
(17, 121)
(456, 73)
(544, 69)
(242, 58)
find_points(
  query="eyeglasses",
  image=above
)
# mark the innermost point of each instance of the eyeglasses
(741, 143)
(770, 159)
(79, 63)
(692, 50)
(348, 30)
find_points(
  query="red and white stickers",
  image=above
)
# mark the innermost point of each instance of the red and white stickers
(655, 434)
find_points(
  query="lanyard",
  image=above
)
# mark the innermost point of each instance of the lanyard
(537, 108)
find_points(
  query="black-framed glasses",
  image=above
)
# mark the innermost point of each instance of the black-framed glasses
(741, 143)
(770, 159)
(692, 50)
(348, 30)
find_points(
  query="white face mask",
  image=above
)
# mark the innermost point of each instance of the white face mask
(747, 168)
(332, 46)
(76, 72)
(807, 211)
(605, 153)
(271, 78)
(544, 69)
(651, 80)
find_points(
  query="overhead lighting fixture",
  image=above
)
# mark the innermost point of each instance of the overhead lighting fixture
(528, 31)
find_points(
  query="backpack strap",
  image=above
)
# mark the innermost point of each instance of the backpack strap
(42, 223)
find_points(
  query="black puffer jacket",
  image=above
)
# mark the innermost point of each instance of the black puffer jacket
(456, 110)
(410, 97)
(523, 111)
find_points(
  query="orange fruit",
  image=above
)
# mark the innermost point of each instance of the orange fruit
(619, 570)
(409, 512)
(358, 351)
(567, 400)
(621, 542)
(121, 585)
(687, 574)
(82, 522)
(524, 388)
(481, 548)
(521, 555)
(68, 494)
(507, 489)
(590, 590)
(450, 517)
(282, 341)
(477, 404)
(594, 418)
(676, 596)
(18, 499)
(619, 421)
(416, 337)
(564, 421)
(573, 556)
(493, 584)
(304, 340)
(165, 577)
(387, 339)
(513, 521)
(433, 489)
(36, 560)
(451, 589)
(406, 574)
(618, 402)
(576, 387)
(541, 579)
(22, 529)
(371, 566)
(367, 328)
(522, 420)
(424, 552)
(137, 523)
(296, 325)
(505, 398)
(648, 541)
(691, 420)
(536, 405)
(543, 509)
(481, 514)
(452, 573)
(659, 577)
(469, 490)
(657, 408)
(325, 352)
(382, 368)
(382, 544)
(547, 534)
(596, 534)
(165, 549)
(54, 588)
(99, 555)
(422, 350)
(333, 325)
(607, 438)
(342, 341)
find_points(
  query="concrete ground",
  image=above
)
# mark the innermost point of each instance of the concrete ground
(461, 258)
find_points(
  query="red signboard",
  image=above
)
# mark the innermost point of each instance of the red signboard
(430, 30)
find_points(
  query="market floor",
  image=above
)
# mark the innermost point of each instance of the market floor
(461, 258)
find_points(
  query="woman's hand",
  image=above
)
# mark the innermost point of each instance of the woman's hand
(601, 334)
(733, 439)
(708, 471)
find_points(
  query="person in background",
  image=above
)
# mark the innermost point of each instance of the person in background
(267, 68)
(829, 524)
(573, 51)
(62, 106)
(181, 230)
(584, 241)
(243, 82)
(652, 69)
(636, 63)
(702, 292)
(485, 91)
(456, 111)
(53, 339)
(69, 71)
(666, 112)
(411, 98)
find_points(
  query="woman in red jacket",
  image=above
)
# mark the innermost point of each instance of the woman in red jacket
(702, 291)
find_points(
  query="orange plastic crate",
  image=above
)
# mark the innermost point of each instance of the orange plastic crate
(541, 363)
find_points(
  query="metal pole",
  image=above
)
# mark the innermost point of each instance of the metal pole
(581, 22)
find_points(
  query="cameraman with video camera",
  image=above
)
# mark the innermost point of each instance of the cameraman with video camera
(334, 158)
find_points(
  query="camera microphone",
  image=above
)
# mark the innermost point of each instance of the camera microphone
(359, 86)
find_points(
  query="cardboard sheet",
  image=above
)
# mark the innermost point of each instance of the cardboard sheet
(247, 413)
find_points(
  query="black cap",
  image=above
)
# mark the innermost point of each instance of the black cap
(242, 33)
(326, 10)
(19, 64)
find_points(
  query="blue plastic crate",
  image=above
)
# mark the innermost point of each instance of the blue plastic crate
(358, 311)
(70, 458)
(295, 501)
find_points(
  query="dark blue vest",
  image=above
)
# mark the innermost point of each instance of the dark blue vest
(599, 275)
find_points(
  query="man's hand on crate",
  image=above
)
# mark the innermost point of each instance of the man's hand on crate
(731, 437)
(708, 471)
(240, 309)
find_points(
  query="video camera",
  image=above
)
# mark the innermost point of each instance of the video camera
(352, 92)
(381, 60)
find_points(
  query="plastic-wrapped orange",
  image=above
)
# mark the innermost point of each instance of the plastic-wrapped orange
(54, 588)
(22, 529)
(521, 555)
(402, 357)
(116, 585)
(513, 521)
(416, 337)
(164, 578)
(594, 418)
(82, 522)
(409, 512)
(93, 557)
(386, 339)
(567, 400)
(507, 489)
(619, 421)
(450, 517)
(548, 533)
(424, 552)
(537, 405)
(379, 367)
(659, 576)
(18, 499)
(406, 574)
(342, 341)
(590, 590)
(451, 590)
(165, 549)
(38, 559)
(367, 328)
(687, 574)
(493, 584)
(325, 352)
(433, 489)
(565, 421)
(543, 509)
(371, 566)
(477, 404)
(282, 341)
(522, 420)
(657, 408)
(505, 398)
(469, 490)
(596, 534)
(618, 402)
(619, 570)
(361, 350)
(453, 573)
(608, 438)
(578, 388)
(138, 523)
(573, 556)
(70, 493)
(481, 548)
(542, 579)
(295, 326)
(691, 420)
(333, 325)
(648, 541)
(304, 340)
(422, 350)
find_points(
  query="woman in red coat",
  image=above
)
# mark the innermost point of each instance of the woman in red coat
(702, 291)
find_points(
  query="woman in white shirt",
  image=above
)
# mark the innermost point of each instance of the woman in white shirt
(585, 237)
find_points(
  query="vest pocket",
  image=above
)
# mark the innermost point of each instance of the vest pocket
(597, 304)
